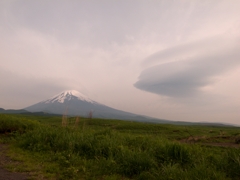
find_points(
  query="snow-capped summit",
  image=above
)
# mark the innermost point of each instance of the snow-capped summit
(67, 96)
(74, 103)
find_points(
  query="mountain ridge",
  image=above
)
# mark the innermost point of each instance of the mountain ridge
(74, 103)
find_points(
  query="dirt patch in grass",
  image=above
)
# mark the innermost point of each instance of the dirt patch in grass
(231, 145)
(220, 141)
(4, 173)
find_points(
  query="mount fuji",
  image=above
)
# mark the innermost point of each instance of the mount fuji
(74, 103)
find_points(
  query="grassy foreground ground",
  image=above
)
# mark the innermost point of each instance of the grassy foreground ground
(109, 149)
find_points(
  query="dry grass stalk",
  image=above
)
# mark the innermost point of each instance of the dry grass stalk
(77, 121)
(65, 119)
(90, 114)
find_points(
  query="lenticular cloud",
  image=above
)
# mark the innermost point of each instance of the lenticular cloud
(182, 71)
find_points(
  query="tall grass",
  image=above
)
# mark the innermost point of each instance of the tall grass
(107, 153)
(13, 124)
(127, 155)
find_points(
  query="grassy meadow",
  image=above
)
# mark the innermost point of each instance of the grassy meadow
(52, 147)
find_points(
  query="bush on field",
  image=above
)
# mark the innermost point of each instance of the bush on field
(10, 123)
(173, 153)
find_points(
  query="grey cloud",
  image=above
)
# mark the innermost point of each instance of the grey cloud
(185, 78)
(188, 50)
(170, 79)
(84, 21)
(100, 23)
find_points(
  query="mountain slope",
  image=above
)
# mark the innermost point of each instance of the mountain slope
(75, 103)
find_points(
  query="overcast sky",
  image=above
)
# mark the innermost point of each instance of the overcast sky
(170, 59)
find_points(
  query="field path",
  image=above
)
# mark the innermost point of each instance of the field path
(4, 173)
(195, 140)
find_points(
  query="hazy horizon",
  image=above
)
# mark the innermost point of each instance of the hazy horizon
(176, 60)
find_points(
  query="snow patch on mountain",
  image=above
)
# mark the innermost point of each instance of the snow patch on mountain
(67, 96)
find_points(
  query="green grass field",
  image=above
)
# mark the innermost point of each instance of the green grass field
(115, 149)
